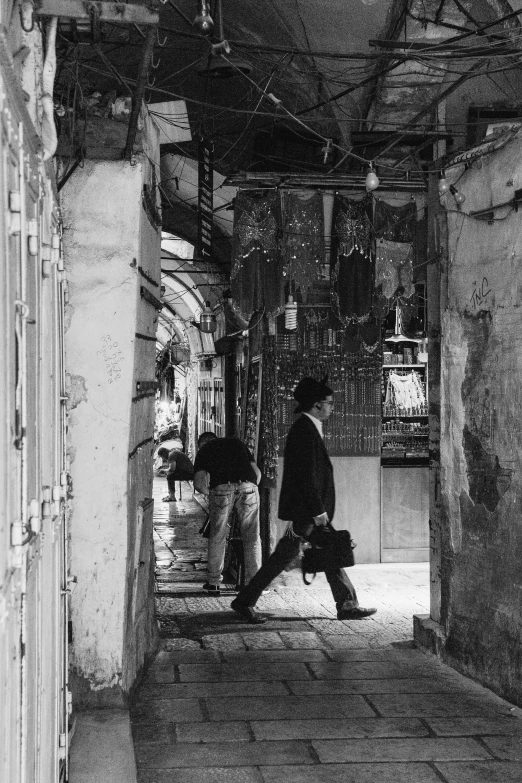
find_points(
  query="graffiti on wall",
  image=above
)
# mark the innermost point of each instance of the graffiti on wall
(479, 294)
(112, 356)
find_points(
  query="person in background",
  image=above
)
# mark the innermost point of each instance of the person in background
(306, 501)
(176, 466)
(225, 471)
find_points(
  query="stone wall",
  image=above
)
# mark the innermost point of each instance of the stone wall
(112, 251)
(481, 444)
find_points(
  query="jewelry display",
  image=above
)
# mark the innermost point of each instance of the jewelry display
(354, 427)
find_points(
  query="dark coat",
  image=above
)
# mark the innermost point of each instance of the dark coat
(307, 489)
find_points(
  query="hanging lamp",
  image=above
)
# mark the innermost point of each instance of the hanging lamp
(207, 320)
(398, 336)
(217, 67)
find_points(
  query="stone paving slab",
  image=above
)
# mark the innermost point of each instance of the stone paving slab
(170, 658)
(354, 728)
(302, 641)
(455, 727)
(226, 754)
(267, 640)
(405, 685)
(431, 706)
(159, 733)
(508, 748)
(166, 710)
(403, 749)
(180, 644)
(408, 654)
(271, 656)
(481, 772)
(211, 775)
(286, 708)
(229, 641)
(366, 670)
(197, 690)
(225, 731)
(240, 671)
(348, 773)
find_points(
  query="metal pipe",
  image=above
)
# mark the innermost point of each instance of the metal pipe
(137, 98)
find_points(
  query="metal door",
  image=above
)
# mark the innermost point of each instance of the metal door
(33, 582)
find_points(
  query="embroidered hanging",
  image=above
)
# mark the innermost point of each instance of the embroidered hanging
(256, 278)
(352, 263)
(396, 224)
(394, 268)
(303, 240)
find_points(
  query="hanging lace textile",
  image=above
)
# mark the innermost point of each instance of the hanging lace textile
(303, 240)
(256, 275)
(405, 391)
(395, 233)
(352, 263)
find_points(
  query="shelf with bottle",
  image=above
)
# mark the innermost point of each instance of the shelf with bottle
(391, 411)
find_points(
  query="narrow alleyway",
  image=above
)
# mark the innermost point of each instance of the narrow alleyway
(306, 698)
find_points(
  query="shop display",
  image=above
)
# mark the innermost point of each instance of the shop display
(405, 428)
(267, 454)
(252, 406)
(316, 349)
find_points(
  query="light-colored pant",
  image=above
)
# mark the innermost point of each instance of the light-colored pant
(243, 497)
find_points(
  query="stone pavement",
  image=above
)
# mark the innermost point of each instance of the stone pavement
(306, 698)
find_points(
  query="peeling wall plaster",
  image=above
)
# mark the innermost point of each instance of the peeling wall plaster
(481, 428)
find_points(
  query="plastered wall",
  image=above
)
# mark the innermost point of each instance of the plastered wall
(110, 341)
(481, 443)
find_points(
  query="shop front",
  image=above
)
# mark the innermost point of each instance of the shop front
(335, 284)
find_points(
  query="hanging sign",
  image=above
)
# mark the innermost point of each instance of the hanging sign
(205, 200)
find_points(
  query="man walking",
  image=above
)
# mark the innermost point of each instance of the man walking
(307, 501)
(225, 471)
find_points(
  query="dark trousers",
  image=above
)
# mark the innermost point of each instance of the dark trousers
(177, 475)
(286, 550)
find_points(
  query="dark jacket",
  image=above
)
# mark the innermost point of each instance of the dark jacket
(307, 489)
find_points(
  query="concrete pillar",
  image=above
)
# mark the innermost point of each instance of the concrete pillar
(112, 252)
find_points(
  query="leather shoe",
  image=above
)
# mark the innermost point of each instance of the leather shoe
(247, 613)
(212, 589)
(357, 613)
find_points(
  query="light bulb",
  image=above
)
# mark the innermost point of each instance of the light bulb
(203, 20)
(291, 314)
(372, 180)
(443, 186)
(459, 197)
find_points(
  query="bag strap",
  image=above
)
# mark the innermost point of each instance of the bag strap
(304, 578)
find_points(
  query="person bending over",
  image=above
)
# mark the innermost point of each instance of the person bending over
(225, 471)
